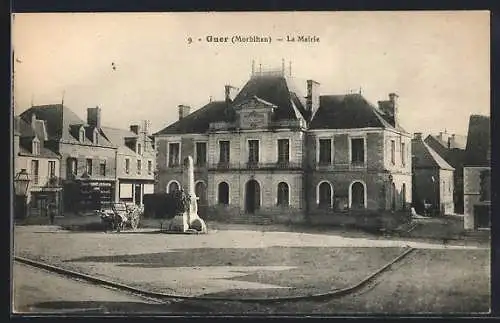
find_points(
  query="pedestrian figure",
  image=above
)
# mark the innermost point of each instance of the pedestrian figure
(52, 213)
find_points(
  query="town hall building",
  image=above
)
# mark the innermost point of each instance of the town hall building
(270, 152)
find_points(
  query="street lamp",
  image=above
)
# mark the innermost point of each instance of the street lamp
(21, 184)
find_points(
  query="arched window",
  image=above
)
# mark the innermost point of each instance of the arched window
(283, 194)
(325, 194)
(357, 195)
(173, 186)
(223, 193)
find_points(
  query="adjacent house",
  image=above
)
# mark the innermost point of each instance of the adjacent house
(433, 180)
(269, 151)
(135, 162)
(87, 167)
(477, 174)
(33, 153)
(451, 147)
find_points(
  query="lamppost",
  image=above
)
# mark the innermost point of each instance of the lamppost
(21, 184)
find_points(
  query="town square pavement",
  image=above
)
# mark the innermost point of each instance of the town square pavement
(239, 264)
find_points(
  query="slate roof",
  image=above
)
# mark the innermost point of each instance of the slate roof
(276, 90)
(426, 157)
(59, 119)
(27, 133)
(458, 142)
(347, 111)
(454, 157)
(273, 89)
(478, 149)
(23, 128)
(117, 137)
(197, 121)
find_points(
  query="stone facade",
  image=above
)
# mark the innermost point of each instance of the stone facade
(266, 154)
(472, 194)
(135, 162)
(41, 163)
(376, 174)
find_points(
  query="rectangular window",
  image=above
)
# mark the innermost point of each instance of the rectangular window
(201, 153)
(224, 152)
(35, 171)
(52, 169)
(150, 167)
(139, 149)
(89, 166)
(253, 151)
(358, 151)
(283, 150)
(72, 167)
(139, 166)
(102, 168)
(173, 154)
(127, 166)
(36, 148)
(393, 152)
(325, 151)
(403, 154)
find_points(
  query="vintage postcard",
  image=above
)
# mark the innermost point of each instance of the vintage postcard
(240, 163)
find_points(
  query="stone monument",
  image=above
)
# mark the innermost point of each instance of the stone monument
(189, 220)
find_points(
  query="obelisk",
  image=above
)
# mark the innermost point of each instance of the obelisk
(193, 219)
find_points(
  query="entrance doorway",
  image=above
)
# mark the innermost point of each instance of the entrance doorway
(138, 194)
(252, 197)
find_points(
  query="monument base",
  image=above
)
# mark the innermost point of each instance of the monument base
(198, 224)
(179, 223)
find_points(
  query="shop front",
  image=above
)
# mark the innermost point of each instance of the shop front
(88, 195)
(133, 191)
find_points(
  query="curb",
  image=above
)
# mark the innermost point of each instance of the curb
(157, 295)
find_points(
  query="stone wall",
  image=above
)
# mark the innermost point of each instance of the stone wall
(81, 153)
(446, 182)
(472, 194)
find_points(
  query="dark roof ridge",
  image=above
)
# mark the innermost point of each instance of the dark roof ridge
(192, 115)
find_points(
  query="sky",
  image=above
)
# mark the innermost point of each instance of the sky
(437, 62)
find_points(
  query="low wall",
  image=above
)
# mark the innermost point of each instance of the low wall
(228, 213)
(365, 219)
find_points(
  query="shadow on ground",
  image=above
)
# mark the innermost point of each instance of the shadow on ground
(314, 269)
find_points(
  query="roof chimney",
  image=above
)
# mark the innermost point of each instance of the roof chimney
(183, 111)
(312, 98)
(229, 92)
(417, 136)
(146, 125)
(94, 117)
(134, 128)
(33, 121)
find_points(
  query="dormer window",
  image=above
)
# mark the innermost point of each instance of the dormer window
(139, 149)
(81, 135)
(35, 149)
